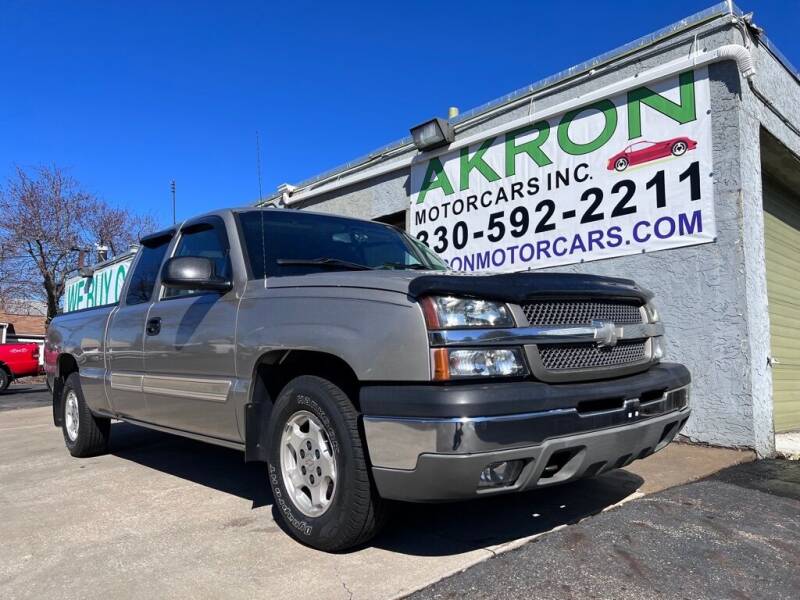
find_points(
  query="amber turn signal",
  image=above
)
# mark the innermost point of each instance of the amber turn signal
(440, 361)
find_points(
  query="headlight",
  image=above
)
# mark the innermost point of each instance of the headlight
(450, 363)
(446, 312)
(652, 313)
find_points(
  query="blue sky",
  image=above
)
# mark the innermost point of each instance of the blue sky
(130, 95)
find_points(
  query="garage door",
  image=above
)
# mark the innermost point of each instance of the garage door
(782, 226)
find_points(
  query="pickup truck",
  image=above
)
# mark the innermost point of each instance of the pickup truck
(347, 356)
(16, 361)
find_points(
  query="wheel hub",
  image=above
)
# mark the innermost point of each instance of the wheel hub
(308, 466)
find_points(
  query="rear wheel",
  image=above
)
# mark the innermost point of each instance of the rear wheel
(5, 379)
(84, 434)
(318, 469)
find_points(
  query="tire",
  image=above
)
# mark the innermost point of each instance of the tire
(679, 148)
(349, 511)
(621, 164)
(84, 434)
(5, 380)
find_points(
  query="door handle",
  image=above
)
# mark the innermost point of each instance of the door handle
(154, 326)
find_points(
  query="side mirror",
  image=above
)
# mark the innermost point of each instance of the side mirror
(193, 273)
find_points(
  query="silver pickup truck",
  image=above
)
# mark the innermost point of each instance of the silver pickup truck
(345, 355)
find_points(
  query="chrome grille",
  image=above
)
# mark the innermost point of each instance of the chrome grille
(575, 312)
(560, 357)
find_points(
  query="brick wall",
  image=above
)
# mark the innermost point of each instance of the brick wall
(24, 324)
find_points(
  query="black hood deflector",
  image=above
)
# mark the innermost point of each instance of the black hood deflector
(521, 287)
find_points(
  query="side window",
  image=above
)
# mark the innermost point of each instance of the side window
(206, 240)
(144, 276)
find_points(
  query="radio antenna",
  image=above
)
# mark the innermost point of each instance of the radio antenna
(261, 209)
(172, 187)
(258, 167)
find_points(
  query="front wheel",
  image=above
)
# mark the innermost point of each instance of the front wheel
(84, 434)
(318, 469)
(621, 164)
(679, 148)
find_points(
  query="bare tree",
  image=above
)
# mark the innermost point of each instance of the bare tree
(115, 227)
(12, 285)
(47, 216)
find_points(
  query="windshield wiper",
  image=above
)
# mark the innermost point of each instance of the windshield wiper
(399, 265)
(324, 262)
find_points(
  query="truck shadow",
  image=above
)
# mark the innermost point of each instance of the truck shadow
(414, 529)
(25, 396)
(452, 528)
(27, 388)
(215, 467)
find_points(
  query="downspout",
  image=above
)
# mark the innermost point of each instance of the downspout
(738, 53)
(741, 55)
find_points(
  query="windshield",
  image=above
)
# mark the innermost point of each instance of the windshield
(293, 241)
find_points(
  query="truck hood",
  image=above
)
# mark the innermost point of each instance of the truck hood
(509, 287)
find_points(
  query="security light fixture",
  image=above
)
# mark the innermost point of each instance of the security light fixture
(432, 134)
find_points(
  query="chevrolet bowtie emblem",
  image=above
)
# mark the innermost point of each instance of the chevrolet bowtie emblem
(605, 334)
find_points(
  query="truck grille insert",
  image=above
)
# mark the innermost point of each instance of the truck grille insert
(569, 312)
(560, 357)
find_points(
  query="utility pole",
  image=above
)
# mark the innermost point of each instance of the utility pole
(172, 186)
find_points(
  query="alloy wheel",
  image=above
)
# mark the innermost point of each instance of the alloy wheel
(71, 418)
(308, 465)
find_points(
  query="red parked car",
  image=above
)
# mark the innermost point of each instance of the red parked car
(18, 360)
(644, 151)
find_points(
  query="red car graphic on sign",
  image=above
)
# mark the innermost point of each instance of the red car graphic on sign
(642, 152)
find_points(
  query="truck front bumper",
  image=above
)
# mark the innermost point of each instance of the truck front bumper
(591, 430)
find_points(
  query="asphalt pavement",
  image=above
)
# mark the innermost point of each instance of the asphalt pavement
(735, 535)
(24, 395)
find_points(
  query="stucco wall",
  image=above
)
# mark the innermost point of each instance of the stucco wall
(712, 297)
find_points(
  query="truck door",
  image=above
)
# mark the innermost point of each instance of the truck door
(125, 337)
(189, 344)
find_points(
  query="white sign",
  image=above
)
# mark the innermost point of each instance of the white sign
(101, 289)
(623, 175)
